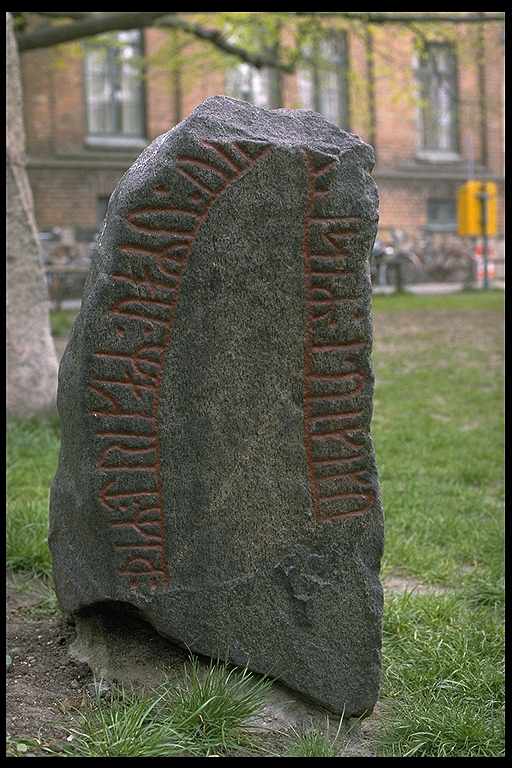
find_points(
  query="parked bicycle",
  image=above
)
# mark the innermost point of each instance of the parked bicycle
(393, 261)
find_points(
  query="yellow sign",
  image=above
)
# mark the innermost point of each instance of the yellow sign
(470, 216)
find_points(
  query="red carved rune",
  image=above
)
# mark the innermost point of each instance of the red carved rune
(339, 488)
(124, 387)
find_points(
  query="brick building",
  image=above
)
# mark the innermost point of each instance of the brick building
(88, 116)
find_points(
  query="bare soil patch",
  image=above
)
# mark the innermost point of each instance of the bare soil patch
(401, 584)
(43, 683)
(458, 332)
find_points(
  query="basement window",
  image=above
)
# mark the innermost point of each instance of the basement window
(441, 215)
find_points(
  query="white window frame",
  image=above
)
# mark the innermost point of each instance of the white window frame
(309, 78)
(257, 84)
(115, 138)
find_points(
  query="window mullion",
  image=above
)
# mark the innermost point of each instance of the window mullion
(317, 79)
(438, 88)
(342, 81)
(114, 91)
(117, 86)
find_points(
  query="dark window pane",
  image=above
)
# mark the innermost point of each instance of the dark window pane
(438, 86)
(114, 88)
(248, 83)
(441, 213)
(306, 87)
(99, 92)
(322, 84)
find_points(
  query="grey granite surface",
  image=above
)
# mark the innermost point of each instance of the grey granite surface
(216, 468)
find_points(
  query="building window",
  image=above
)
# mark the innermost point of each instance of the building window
(441, 215)
(322, 81)
(437, 74)
(250, 84)
(114, 89)
(259, 86)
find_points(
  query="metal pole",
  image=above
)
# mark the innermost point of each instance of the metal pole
(399, 284)
(485, 242)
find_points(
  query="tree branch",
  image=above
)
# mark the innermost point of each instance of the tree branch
(77, 15)
(408, 18)
(90, 24)
(88, 27)
(217, 39)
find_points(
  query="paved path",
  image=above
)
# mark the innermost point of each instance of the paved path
(432, 288)
(419, 288)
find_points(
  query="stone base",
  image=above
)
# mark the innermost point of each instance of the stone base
(120, 647)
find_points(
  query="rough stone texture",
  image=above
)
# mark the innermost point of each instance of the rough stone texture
(216, 469)
(31, 357)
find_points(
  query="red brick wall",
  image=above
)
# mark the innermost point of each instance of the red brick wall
(56, 122)
(37, 98)
(201, 81)
(396, 110)
(358, 93)
(159, 85)
(495, 76)
(69, 105)
(402, 202)
(67, 197)
(470, 107)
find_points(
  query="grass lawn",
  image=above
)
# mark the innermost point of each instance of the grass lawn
(438, 433)
(61, 321)
(439, 439)
(32, 453)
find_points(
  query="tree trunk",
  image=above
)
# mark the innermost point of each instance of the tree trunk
(31, 358)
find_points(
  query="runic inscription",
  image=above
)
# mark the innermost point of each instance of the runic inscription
(217, 471)
(125, 378)
(335, 372)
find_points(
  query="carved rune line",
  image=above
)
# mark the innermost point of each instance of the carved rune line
(124, 386)
(335, 439)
